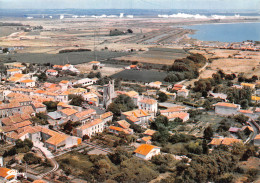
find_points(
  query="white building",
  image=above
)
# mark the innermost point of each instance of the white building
(149, 105)
(86, 82)
(28, 83)
(51, 72)
(183, 93)
(11, 72)
(147, 151)
(226, 109)
(90, 128)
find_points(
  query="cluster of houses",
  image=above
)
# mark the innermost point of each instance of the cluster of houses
(20, 103)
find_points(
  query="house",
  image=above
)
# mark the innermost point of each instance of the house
(90, 128)
(147, 151)
(149, 105)
(146, 140)
(51, 72)
(172, 110)
(149, 132)
(84, 116)
(12, 72)
(56, 140)
(70, 68)
(250, 85)
(178, 87)
(183, 93)
(226, 109)
(8, 175)
(39, 107)
(28, 83)
(224, 141)
(248, 113)
(257, 140)
(184, 116)
(234, 130)
(86, 82)
(106, 117)
(221, 96)
(156, 84)
(68, 113)
(55, 118)
(134, 96)
(94, 63)
(117, 130)
(255, 99)
(138, 116)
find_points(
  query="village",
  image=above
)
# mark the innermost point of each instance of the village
(42, 122)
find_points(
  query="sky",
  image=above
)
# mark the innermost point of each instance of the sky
(130, 4)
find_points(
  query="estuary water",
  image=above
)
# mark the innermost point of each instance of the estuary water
(233, 32)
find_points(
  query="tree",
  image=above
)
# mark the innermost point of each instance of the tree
(241, 118)
(42, 77)
(130, 31)
(208, 133)
(5, 50)
(244, 104)
(76, 100)
(160, 122)
(162, 97)
(30, 158)
(51, 106)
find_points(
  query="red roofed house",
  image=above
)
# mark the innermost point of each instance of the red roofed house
(147, 151)
(226, 109)
(149, 105)
(51, 72)
(90, 128)
(84, 116)
(182, 115)
(248, 113)
(28, 83)
(183, 93)
(11, 72)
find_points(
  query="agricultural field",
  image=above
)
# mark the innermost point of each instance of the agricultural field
(165, 56)
(230, 61)
(6, 31)
(141, 75)
(73, 58)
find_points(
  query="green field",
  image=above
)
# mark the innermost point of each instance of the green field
(73, 57)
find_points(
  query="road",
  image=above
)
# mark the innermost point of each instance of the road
(255, 133)
(55, 167)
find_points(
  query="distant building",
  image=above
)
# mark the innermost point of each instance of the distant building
(226, 109)
(11, 72)
(51, 72)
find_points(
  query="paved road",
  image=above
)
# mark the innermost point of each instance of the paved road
(255, 133)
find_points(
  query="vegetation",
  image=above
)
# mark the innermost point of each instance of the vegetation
(186, 68)
(30, 158)
(40, 118)
(51, 106)
(20, 147)
(76, 100)
(122, 103)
